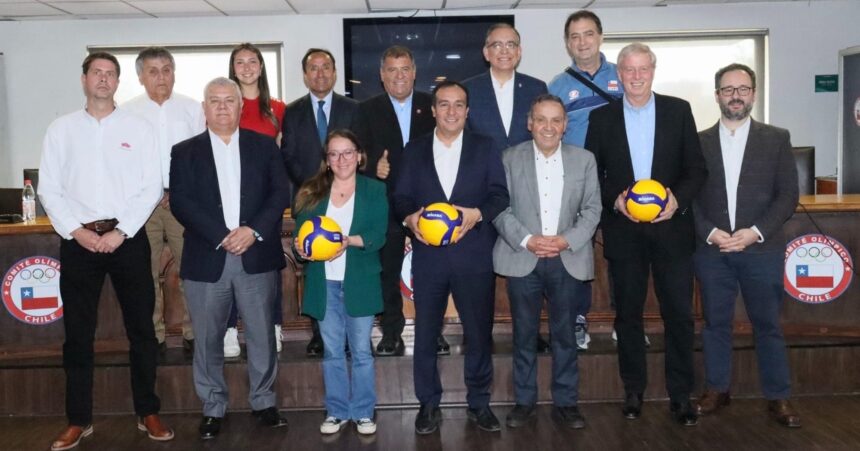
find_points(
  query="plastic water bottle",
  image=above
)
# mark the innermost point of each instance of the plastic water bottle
(28, 202)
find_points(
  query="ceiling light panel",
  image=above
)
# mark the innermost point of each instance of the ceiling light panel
(329, 6)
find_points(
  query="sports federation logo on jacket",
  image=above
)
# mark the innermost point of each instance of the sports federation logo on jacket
(31, 290)
(817, 269)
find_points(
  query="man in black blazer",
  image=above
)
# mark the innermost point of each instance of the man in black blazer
(649, 136)
(751, 190)
(461, 168)
(229, 190)
(307, 122)
(386, 124)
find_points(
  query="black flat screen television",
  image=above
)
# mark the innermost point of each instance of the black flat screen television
(447, 46)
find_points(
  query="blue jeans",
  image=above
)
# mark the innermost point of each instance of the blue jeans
(759, 277)
(345, 398)
(563, 292)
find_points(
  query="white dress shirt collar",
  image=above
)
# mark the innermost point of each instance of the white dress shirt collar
(447, 161)
(504, 100)
(229, 170)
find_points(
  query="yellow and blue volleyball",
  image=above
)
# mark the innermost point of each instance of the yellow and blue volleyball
(440, 224)
(320, 238)
(646, 199)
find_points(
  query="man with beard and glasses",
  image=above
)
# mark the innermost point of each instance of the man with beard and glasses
(750, 191)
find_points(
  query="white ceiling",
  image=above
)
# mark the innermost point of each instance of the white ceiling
(113, 9)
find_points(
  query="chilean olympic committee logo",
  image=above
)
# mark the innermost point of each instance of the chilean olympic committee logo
(31, 290)
(818, 269)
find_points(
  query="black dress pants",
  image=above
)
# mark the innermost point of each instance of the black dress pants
(391, 256)
(83, 275)
(672, 272)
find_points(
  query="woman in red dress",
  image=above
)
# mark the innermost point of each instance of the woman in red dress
(263, 114)
(260, 112)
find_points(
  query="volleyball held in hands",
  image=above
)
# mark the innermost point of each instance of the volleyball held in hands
(440, 224)
(646, 199)
(320, 238)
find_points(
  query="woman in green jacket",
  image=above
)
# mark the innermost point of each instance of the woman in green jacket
(344, 293)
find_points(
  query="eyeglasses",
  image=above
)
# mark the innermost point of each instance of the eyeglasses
(346, 155)
(728, 91)
(497, 45)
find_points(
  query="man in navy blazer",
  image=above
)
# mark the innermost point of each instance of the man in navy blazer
(750, 192)
(649, 136)
(461, 168)
(386, 123)
(304, 129)
(229, 190)
(501, 97)
(307, 122)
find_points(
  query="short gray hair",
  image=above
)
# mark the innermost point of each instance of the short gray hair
(222, 81)
(150, 53)
(636, 47)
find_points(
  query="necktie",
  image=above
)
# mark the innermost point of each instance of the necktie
(322, 125)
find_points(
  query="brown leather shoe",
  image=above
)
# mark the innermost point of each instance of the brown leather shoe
(70, 437)
(782, 411)
(711, 401)
(154, 428)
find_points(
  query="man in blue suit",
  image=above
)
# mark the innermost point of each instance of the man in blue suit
(461, 168)
(229, 189)
(501, 97)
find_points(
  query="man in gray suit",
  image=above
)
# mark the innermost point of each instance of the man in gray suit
(750, 191)
(544, 248)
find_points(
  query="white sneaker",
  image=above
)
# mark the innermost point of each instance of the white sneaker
(580, 331)
(279, 337)
(332, 425)
(365, 426)
(615, 338)
(231, 343)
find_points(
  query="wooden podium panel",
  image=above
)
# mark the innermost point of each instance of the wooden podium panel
(835, 215)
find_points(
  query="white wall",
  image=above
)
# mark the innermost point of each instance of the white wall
(43, 58)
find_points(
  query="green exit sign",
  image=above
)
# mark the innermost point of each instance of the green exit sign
(827, 83)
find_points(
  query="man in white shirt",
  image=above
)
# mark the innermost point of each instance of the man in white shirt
(175, 118)
(99, 181)
(740, 242)
(229, 190)
(545, 248)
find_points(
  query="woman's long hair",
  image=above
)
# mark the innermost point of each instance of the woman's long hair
(319, 186)
(262, 82)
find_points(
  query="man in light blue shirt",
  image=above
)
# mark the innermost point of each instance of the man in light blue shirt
(623, 137)
(639, 123)
(386, 123)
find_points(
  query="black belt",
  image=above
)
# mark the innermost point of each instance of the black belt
(101, 226)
